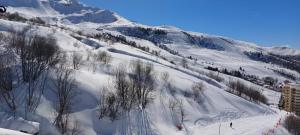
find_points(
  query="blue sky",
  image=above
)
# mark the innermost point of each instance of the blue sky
(265, 22)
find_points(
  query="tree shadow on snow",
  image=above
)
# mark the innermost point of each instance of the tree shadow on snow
(82, 101)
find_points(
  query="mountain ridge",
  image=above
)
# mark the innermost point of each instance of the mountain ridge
(76, 12)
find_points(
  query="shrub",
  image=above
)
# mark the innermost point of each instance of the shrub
(270, 80)
(172, 62)
(126, 96)
(188, 94)
(76, 60)
(37, 20)
(184, 63)
(131, 91)
(213, 69)
(16, 17)
(104, 57)
(64, 89)
(215, 77)
(108, 105)
(198, 89)
(143, 82)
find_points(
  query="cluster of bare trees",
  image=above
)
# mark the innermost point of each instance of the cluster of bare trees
(215, 76)
(240, 89)
(131, 90)
(37, 54)
(123, 89)
(143, 80)
(292, 124)
(196, 92)
(100, 56)
(108, 105)
(26, 60)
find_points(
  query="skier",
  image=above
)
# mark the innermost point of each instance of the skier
(231, 124)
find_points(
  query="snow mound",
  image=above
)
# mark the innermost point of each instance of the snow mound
(10, 132)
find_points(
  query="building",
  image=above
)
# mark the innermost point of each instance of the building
(291, 98)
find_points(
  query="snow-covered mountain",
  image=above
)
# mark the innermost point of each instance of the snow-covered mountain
(180, 59)
(67, 10)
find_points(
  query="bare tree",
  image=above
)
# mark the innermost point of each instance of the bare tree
(184, 63)
(197, 90)
(7, 78)
(181, 112)
(173, 105)
(76, 60)
(64, 90)
(89, 55)
(126, 95)
(76, 129)
(37, 55)
(176, 107)
(108, 105)
(143, 80)
(102, 106)
(165, 77)
(94, 63)
(17, 39)
(104, 57)
(166, 82)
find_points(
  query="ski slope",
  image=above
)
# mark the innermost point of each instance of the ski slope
(246, 126)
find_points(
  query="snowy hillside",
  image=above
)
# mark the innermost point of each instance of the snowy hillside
(108, 75)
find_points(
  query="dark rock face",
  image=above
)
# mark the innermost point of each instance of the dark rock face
(154, 35)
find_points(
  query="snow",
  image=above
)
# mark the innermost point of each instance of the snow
(283, 50)
(202, 117)
(10, 132)
(245, 126)
(18, 124)
(95, 17)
